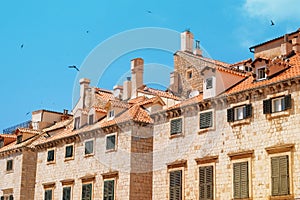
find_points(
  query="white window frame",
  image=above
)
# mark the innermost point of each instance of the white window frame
(239, 113)
(85, 183)
(258, 73)
(66, 186)
(115, 184)
(89, 154)
(210, 79)
(116, 142)
(54, 160)
(182, 127)
(111, 114)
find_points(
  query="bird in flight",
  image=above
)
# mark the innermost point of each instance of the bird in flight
(87, 31)
(272, 23)
(22, 45)
(73, 66)
(149, 11)
(27, 113)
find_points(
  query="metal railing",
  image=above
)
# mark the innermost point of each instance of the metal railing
(10, 130)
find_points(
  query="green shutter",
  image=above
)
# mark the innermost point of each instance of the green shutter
(206, 183)
(176, 185)
(287, 102)
(248, 111)
(176, 126)
(206, 120)
(230, 115)
(267, 106)
(240, 180)
(67, 193)
(280, 175)
(108, 191)
(87, 192)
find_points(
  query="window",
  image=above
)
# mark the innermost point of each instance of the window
(48, 194)
(19, 139)
(209, 83)
(91, 119)
(1, 143)
(175, 185)
(277, 104)
(240, 180)
(67, 193)
(206, 120)
(111, 114)
(176, 126)
(280, 175)
(50, 155)
(87, 191)
(77, 123)
(69, 151)
(111, 142)
(9, 165)
(189, 74)
(239, 113)
(89, 147)
(261, 74)
(108, 190)
(11, 197)
(206, 183)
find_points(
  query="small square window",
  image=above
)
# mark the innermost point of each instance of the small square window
(89, 147)
(209, 83)
(91, 119)
(206, 120)
(9, 165)
(19, 139)
(111, 114)
(69, 151)
(77, 123)
(277, 104)
(189, 74)
(111, 142)
(176, 126)
(261, 74)
(50, 155)
(239, 113)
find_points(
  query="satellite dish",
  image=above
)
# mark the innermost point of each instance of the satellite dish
(194, 93)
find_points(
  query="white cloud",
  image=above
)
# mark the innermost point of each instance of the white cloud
(278, 10)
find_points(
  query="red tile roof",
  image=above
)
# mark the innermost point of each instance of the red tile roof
(156, 92)
(187, 102)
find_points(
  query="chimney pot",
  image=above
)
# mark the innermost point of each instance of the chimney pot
(187, 41)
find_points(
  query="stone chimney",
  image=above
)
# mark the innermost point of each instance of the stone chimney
(296, 43)
(197, 50)
(286, 47)
(137, 72)
(84, 85)
(187, 41)
(127, 89)
(174, 82)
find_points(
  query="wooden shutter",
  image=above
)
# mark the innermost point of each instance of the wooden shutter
(176, 185)
(240, 180)
(280, 175)
(248, 111)
(230, 115)
(267, 106)
(67, 193)
(176, 126)
(287, 102)
(108, 191)
(206, 120)
(86, 192)
(206, 183)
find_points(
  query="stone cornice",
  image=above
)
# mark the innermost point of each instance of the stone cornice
(280, 148)
(241, 154)
(177, 164)
(111, 174)
(207, 159)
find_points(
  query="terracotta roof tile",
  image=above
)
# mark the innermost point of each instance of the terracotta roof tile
(8, 136)
(187, 102)
(156, 92)
(137, 100)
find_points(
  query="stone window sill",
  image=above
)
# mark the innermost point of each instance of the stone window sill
(278, 114)
(240, 122)
(204, 130)
(68, 159)
(176, 135)
(50, 162)
(285, 197)
(10, 171)
(89, 155)
(110, 150)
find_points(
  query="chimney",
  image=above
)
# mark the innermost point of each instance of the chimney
(84, 85)
(187, 41)
(286, 47)
(296, 43)
(174, 82)
(118, 91)
(197, 50)
(127, 89)
(137, 71)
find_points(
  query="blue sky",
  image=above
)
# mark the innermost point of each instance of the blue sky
(59, 33)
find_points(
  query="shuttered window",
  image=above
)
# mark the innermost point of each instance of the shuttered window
(176, 185)
(9, 165)
(67, 193)
(91, 119)
(111, 142)
(69, 151)
(280, 175)
(2, 198)
(48, 194)
(240, 180)
(89, 147)
(239, 113)
(206, 120)
(206, 183)
(50, 156)
(176, 126)
(11, 197)
(108, 190)
(277, 104)
(87, 191)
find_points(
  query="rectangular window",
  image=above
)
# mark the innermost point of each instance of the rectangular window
(111, 114)
(11, 197)
(50, 155)
(240, 180)
(239, 113)
(209, 83)
(87, 190)
(19, 139)
(89, 147)
(261, 74)
(67, 193)
(77, 123)
(91, 119)
(48, 194)
(189, 74)
(175, 185)
(108, 190)
(277, 104)
(111, 142)
(176, 126)
(280, 175)
(9, 165)
(69, 151)
(206, 120)
(206, 183)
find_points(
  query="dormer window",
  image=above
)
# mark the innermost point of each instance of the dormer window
(1, 143)
(19, 139)
(111, 114)
(209, 83)
(261, 73)
(91, 119)
(77, 123)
